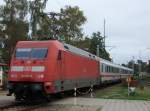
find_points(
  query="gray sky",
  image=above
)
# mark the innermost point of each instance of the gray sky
(127, 24)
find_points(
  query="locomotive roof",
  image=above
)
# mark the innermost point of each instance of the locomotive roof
(92, 56)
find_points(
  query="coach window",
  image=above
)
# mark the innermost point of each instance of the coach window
(109, 69)
(104, 68)
(124, 71)
(114, 70)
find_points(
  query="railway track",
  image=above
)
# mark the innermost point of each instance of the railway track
(15, 106)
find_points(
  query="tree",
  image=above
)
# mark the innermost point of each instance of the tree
(36, 8)
(66, 24)
(148, 67)
(83, 43)
(71, 22)
(97, 40)
(13, 24)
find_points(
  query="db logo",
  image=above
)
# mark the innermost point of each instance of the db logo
(27, 68)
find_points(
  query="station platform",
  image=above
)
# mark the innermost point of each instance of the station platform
(107, 104)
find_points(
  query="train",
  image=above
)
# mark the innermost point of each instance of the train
(43, 68)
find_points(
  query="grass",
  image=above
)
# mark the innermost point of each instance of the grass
(99, 109)
(121, 92)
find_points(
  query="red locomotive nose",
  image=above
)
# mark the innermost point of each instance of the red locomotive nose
(28, 64)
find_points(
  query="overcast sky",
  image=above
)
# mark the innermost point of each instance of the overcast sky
(127, 24)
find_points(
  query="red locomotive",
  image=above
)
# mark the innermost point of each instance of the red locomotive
(42, 68)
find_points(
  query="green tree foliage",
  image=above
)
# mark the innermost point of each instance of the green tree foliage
(13, 24)
(71, 22)
(83, 43)
(97, 40)
(45, 31)
(66, 25)
(90, 44)
(36, 8)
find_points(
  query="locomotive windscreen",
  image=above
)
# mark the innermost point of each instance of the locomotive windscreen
(35, 53)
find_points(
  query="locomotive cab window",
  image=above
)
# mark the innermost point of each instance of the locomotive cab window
(35, 53)
(23, 53)
(39, 53)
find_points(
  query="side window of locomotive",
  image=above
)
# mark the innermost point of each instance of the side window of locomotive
(22, 53)
(66, 47)
(39, 53)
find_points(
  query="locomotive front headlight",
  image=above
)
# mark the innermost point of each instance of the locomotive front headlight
(16, 68)
(13, 76)
(38, 68)
(41, 76)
